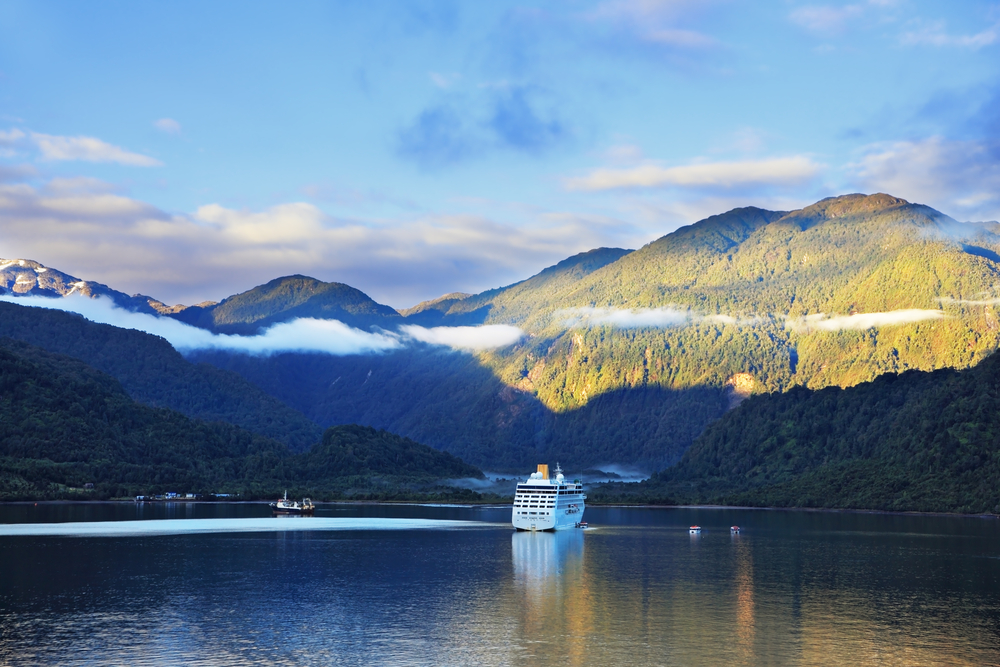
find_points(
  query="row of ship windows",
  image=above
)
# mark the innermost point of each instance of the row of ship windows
(533, 513)
(551, 492)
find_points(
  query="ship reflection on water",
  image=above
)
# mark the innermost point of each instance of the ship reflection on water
(553, 589)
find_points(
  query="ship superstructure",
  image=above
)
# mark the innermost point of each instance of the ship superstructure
(542, 503)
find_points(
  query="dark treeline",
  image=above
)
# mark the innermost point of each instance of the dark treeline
(64, 425)
(154, 373)
(912, 442)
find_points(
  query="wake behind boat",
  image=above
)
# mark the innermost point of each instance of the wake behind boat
(541, 503)
(286, 506)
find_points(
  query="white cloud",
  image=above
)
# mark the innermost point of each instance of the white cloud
(641, 318)
(786, 171)
(656, 22)
(59, 148)
(624, 154)
(83, 228)
(168, 125)
(11, 138)
(958, 177)
(969, 302)
(622, 318)
(860, 321)
(444, 80)
(488, 337)
(935, 34)
(825, 18)
(87, 149)
(301, 335)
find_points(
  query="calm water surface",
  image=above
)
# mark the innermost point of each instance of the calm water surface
(794, 588)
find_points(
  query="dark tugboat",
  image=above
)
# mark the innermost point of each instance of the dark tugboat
(286, 506)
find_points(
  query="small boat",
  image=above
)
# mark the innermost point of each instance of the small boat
(286, 506)
(694, 530)
(734, 529)
(581, 524)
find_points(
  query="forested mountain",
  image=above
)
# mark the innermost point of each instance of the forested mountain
(515, 303)
(285, 299)
(64, 425)
(912, 442)
(154, 373)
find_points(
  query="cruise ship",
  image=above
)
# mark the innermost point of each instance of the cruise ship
(541, 503)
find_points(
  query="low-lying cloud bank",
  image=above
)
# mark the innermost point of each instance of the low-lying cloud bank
(968, 302)
(300, 335)
(859, 321)
(641, 318)
(486, 337)
(670, 316)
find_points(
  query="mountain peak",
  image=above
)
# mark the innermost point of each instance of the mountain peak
(287, 298)
(853, 204)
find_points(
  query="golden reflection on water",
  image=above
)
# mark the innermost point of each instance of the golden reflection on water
(556, 614)
(746, 625)
(578, 601)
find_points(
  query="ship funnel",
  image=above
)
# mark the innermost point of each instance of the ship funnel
(543, 470)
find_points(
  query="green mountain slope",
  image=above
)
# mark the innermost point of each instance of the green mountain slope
(64, 424)
(285, 299)
(911, 442)
(743, 281)
(515, 303)
(154, 373)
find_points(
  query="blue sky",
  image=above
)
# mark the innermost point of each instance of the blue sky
(193, 150)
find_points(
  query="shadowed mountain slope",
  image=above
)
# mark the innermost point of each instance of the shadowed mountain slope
(154, 373)
(450, 401)
(64, 425)
(911, 442)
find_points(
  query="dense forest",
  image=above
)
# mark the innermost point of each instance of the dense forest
(64, 425)
(154, 373)
(912, 442)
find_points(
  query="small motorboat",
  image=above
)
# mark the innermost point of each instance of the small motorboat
(285, 506)
(734, 529)
(581, 524)
(695, 530)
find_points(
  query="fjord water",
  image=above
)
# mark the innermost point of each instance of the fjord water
(220, 588)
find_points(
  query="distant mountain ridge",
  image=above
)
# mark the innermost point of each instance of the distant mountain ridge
(288, 298)
(25, 277)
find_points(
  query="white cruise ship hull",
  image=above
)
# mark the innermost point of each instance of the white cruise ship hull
(541, 503)
(554, 522)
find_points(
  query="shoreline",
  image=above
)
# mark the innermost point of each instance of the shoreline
(505, 505)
